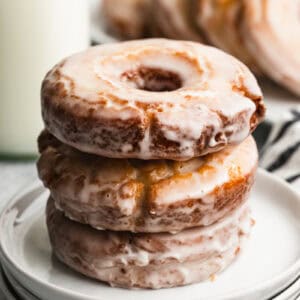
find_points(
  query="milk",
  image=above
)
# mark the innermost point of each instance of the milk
(34, 35)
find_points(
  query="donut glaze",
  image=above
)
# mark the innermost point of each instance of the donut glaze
(146, 196)
(151, 99)
(153, 260)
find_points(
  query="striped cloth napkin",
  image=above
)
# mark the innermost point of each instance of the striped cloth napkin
(278, 140)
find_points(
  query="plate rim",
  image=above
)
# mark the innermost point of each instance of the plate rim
(4, 289)
(18, 287)
(288, 275)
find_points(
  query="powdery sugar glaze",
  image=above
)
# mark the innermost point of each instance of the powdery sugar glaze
(151, 99)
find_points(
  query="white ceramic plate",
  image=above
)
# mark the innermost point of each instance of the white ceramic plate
(5, 291)
(271, 259)
(18, 289)
(290, 293)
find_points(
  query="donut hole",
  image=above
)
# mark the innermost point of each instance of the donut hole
(153, 79)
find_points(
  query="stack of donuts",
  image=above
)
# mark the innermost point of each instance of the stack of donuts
(264, 34)
(149, 160)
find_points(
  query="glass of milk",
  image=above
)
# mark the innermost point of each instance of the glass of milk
(34, 35)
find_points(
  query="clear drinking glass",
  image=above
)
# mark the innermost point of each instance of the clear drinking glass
(34, 35)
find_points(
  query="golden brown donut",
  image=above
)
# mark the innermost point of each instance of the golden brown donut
(144, 260)
(272, 34)
(151, 99)
(146, 196)
(174, 21)
(221, 22)
(126, 19)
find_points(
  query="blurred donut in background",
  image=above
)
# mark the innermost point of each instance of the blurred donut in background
(174, 21)
(221, 20)
(125, 19)
(272, 29)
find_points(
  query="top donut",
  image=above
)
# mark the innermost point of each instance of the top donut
(151, 99)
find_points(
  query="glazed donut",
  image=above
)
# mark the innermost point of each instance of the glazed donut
(146, 196)
(221, 20)
(272, 29)
(151, 99)
(173, 20)
(153, 260)
(126, 19)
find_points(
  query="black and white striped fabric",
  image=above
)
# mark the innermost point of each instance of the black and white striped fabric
(279, 144)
